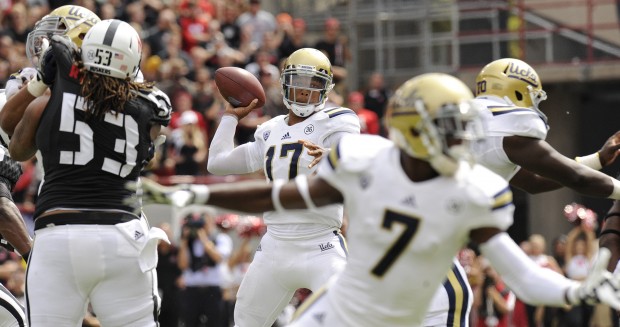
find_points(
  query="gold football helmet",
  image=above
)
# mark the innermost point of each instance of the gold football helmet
(310, 71)
(511, 79)
(69, 20)
(432, 117)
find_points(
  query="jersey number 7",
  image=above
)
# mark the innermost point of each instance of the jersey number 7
(411, 226)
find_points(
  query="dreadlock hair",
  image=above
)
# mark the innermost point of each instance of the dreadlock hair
(103, 94)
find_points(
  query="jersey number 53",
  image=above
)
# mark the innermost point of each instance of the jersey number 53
(69, 124)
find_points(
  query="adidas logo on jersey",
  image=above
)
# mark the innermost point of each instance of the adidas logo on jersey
(259, 248)
(326, 246)
(137, 235)
(319, 317)
(409, 201)
(286, 136)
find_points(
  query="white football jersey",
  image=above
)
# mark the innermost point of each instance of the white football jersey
(277, 151)
(505, 119)
(403, 235)
(452, 302)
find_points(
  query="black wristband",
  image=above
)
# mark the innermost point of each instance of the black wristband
(610, 231)
(612, 214)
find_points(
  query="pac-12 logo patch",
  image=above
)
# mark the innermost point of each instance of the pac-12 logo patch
(309, 129)
(266, 135)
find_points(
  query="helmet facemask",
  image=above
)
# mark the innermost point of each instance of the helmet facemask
(537, 96)
(305, 89)
(446, 137)
(72, 21)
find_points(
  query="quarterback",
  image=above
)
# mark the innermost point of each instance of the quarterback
(413, 203)
(301, 249)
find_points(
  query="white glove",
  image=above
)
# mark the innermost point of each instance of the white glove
(18, 80)
(178, 196)
(600, 286)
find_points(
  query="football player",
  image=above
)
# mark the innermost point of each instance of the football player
(71, 21)
(94, 135)
(13, 232)
(300, 249)
(515, 147)
(413, 202)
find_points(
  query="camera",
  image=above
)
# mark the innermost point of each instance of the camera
(194, 222)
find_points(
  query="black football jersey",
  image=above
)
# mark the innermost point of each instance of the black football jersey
(87, 162)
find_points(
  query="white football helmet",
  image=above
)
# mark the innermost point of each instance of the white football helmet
(72, 21)
(112, 48)
(309, 70)
(432, 117)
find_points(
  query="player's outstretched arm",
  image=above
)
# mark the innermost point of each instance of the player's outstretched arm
(23, 143)
(540, 158)
(610, 235)
(539, 286)
(246, 196)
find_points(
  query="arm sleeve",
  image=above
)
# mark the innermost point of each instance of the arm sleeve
(333, 138)
(531, 283)
(224, 158)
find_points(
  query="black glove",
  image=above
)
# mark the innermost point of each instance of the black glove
(5, 244)
(47, 67)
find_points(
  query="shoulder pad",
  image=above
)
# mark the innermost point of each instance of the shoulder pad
(354, 152)
(338, 119)
(487, 189)
(334, 112)
(162, 104)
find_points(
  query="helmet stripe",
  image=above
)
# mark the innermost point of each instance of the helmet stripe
(109, 34)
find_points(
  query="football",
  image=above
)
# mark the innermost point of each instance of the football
(239, 87)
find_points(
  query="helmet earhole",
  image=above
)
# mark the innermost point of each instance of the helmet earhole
(519, 95)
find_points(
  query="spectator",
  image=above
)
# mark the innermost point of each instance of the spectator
(496, 300)
(292, 40)
(195, 24)
(202, 250)
(189, 146)
(228, 27)
(258, 22)
(369, 121)
(18, 27)
(538, 315)
(376, 96)
(579, 254)
(158, 35)
(262, 63)
(168, 274)
(334, 45)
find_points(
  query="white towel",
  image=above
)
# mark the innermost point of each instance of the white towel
(145, 240)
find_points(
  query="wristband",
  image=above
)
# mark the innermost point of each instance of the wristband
(302, 186)
(275, 194)
(592, 160)
(615, 194)
(36, 87)
(610, 231)
(570, 295)
(201, 193)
